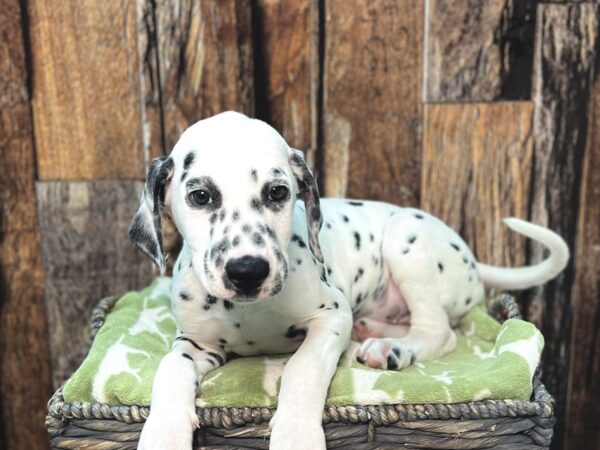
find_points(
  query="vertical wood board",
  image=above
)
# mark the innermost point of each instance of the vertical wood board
(475, 51)
(206, 61)
(565, 55)
(90, 111)
(583, 409)
(289, 70)
(371, 105)
(476, 170)
(24, 362)
(87, 256)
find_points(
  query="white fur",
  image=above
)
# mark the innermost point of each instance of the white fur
(400, 274)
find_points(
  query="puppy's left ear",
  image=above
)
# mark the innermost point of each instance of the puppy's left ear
(146, 228)
(310, 194)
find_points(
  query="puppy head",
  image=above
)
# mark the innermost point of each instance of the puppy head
(231, 183)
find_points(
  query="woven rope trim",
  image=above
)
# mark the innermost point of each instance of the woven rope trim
(502, 307)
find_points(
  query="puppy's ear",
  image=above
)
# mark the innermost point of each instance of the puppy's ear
(310, 194)
(146, 228)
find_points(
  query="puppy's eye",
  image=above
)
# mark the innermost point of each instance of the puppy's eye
(278, 193)
(200, 197)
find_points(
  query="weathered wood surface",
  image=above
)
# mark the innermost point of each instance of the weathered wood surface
(583, 408)
(476, 170)
(371, 104)
(478, 50)
(206, 61)
(565, 56)
(90, 119)
(87, 255)
(287, 38)
(24, 363)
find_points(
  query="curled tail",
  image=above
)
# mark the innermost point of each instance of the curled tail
(526, 277)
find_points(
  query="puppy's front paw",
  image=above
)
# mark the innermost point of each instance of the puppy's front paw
(392, 354)
(165, 430)
(293, 433)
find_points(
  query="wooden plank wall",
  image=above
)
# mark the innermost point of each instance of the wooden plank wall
(471, 110)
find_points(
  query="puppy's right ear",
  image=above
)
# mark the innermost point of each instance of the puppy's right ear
(146, 228)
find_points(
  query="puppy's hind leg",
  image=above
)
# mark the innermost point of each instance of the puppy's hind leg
(410, 246)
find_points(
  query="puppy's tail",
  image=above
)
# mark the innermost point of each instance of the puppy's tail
(526, 277)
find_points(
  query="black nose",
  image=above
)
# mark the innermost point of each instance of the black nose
(247, 272)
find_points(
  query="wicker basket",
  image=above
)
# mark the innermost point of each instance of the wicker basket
(490, 424)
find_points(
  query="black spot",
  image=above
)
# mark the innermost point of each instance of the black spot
(323, 275)
(360, 360)
(254, 175)
(211, 299)
(213, 218)
(246, 228)
(235, 216)
(226, 230)
(187, 162)
(405, 251)
(419, 216)
(222, 215)
(276, 171)
(299, 261)
(270, 232)
(218, 357)
(345, 218)
(337, 333)
(322, 305)
(465, 260)
(357, 240)
(355, 203)
(228, 304)
(222, 341)
(206, 307)
(298, 240)
(237, 324)
(359, 274)
(441, 267)
(219, 261)
(328, 225)
(236, 241)
(371, 237)
(359, 298)
(183, 175)
(250, 342)
(336, 305)
(255, 204)
(413, 358)
(468, 301)
(293, 332)
(391, 363)
(454, 246)
(375, 260)
(186, 339)
(396, 351)
(257, 239)
(412, 239)
(473, 265)
(329, 271)
(185, 296)
(185, 355)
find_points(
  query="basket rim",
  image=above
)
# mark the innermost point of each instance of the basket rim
(502, 306)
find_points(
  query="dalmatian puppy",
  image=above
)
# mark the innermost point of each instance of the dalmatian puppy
(266, 267)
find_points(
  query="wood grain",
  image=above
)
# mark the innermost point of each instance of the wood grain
(371, 105)
(90, 111)
(288, 43)
(583, 409)
(87, 255)
(476, 170)
(206, 61)
(478, 51)
(24, 362)
(565, 55)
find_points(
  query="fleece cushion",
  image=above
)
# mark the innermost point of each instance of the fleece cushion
(491, 361)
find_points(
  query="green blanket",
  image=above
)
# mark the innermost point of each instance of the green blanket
(492, 361)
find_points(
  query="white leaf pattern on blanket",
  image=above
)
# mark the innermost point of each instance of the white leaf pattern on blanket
(149, 319)
(115, 362)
